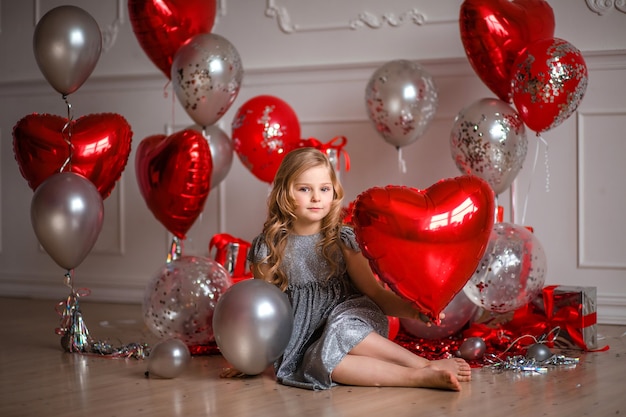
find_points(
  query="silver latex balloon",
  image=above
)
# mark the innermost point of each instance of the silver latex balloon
(401, 100)
(206, 75)
(511, 272)
(488, 139)
(179, 302)
(472, 348)
(252, 323)
(67, 44)
(539, 352)
(222, 151)
(168, 359)
(66, 214)
(457, 314)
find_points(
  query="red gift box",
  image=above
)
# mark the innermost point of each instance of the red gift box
(569, 309)
(232, 253)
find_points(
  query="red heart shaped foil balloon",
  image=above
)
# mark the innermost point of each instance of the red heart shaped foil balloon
(494, 32)
(163, 26)
(174, 177)
(101, 144)
(426, 244)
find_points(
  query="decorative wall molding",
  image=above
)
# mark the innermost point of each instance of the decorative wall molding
(362, 19)
(602, 7)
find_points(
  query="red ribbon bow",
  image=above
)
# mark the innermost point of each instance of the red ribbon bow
(337, 143)
(568, 318)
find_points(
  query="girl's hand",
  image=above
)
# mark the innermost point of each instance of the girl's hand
(232, 373)
(423, 317)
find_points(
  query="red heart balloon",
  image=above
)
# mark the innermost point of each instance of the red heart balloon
(494, 32)
(163, 26)
(264, 130)
(174, 177)
(101, 145)
(426, 244)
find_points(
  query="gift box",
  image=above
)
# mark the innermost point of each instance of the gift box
(573, 309)
(231, 252)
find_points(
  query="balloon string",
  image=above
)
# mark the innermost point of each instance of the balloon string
(401, 162)
(526, 197)
(67, 136)
(544, 339)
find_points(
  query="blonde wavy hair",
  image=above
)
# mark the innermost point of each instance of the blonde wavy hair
(281, 208)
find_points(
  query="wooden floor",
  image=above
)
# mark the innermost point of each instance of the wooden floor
(38, 379)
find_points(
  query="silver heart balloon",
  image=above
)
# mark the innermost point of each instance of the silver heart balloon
(206, 75)
(67, 214)
(168, 359)
(67, 44)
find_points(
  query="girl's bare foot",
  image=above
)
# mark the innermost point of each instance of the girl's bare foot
(457, 366)
(431, 377)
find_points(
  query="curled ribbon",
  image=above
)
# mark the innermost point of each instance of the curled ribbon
(337, 143)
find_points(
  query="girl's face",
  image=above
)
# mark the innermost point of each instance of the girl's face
(313, 192)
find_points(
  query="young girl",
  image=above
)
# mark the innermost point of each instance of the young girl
(340, 309)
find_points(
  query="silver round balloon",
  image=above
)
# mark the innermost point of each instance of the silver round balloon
(222, 151)
(206, 75)
(488, 140)
(67, 44)
(252, 323)
(66, 214)
(457, 314)
(180, 300)
(472, 348)
(511, 272)
(168, 359)
(401, 100)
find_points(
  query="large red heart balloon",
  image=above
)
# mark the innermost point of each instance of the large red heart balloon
(426, 244)
(101, 144)
(494, 32)
(174, 177)
(264, 130)
(163, 26)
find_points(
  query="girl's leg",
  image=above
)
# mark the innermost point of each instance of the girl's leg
(372, 372)
(379, 347)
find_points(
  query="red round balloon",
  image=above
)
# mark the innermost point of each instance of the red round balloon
(426, 244)
(549, 82)
(494, 32)
(174, 177)
(101, 144)
(264, 130)
(163, 26)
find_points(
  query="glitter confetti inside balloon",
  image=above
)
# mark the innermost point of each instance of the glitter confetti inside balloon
(488, 139)
(512, 271)
(180, 300)
(549, 81)
(206, 75)
(401, 100)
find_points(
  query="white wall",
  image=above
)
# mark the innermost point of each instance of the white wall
(311, 58)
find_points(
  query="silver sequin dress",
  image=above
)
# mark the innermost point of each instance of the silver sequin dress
(330, 315)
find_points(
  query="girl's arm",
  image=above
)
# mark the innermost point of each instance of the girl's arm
(363, 278)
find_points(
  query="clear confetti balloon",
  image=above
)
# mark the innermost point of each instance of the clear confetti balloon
(512, 271)
(180, 300)
(401, 100)
(488, 139)
(206, 75)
